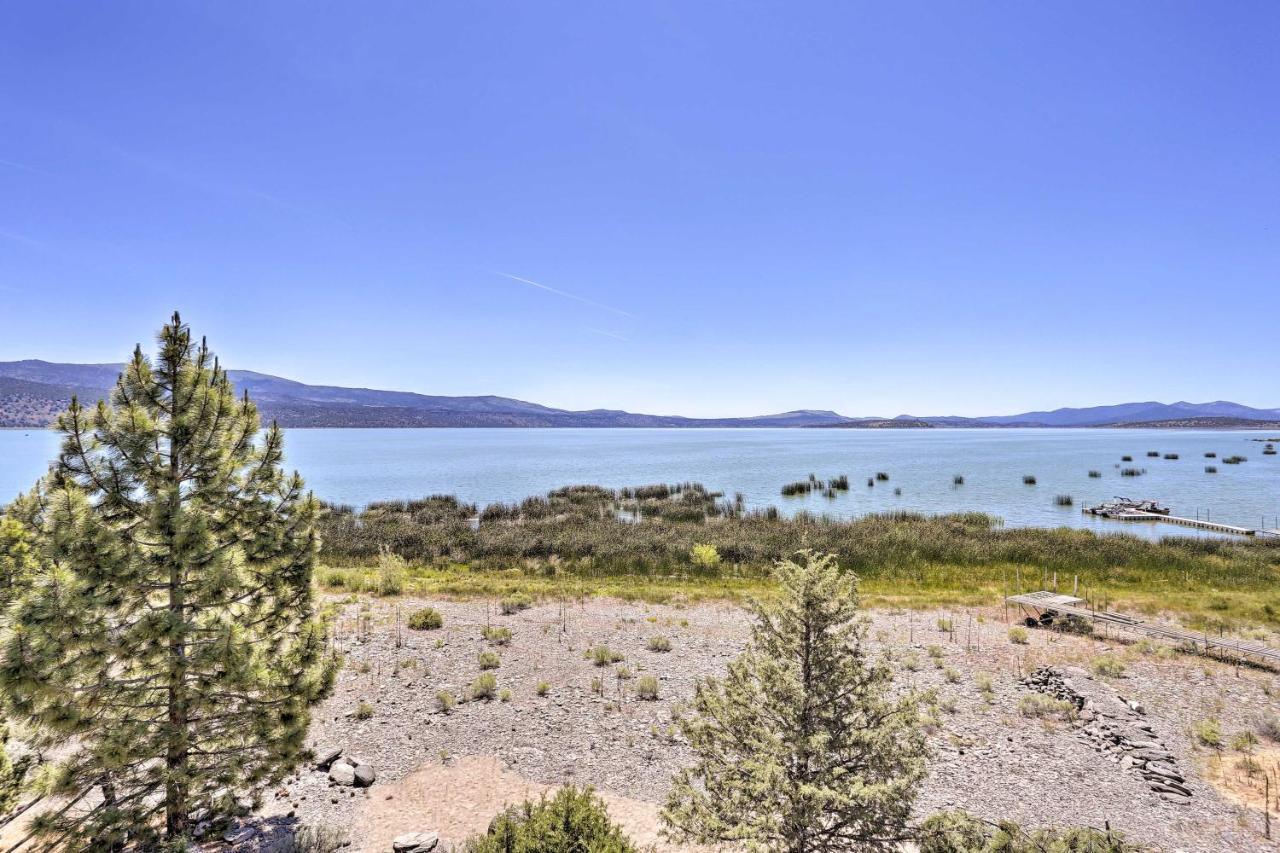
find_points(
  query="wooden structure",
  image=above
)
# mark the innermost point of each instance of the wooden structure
(1044, 607)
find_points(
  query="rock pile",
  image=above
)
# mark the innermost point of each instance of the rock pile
(345, 769)
(1119, 730)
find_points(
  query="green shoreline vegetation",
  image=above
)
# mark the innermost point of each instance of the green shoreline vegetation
(639, 543)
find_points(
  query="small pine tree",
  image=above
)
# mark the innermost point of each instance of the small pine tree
(800, 748)
(167, 645)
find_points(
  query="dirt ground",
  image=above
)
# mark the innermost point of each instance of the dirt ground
(451, 772)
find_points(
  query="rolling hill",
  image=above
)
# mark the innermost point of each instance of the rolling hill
(32, 392)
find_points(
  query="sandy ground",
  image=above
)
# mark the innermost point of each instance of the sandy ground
(451, 772)
(457, 800)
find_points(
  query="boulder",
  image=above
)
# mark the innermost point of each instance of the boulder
(364, 775)
(342, 774)
(415, 842)
(326, 757)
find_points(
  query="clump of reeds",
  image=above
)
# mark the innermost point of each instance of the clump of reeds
(1132, 472)
(882, 476)
(1064, 500)
(897, 491)
(1211, 469)
(1210, 455)
(1234, 460)
(1171, 456)
(1094, 475)
(1028, 479)
(1154, 454)
(840, 484)
(957, 480)
(870, 482)
(1126, 458)
(799, 487)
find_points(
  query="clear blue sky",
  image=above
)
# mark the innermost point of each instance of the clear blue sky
(731, 208)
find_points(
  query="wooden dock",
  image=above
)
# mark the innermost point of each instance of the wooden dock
(1048, 605)
(1198, 523)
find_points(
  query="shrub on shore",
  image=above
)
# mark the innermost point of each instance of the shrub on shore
(426, 619)
(575, 820)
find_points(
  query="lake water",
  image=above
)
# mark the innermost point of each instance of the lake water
(357, 466)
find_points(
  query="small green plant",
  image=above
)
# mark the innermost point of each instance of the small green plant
(391, 570)
(445, 701)
(951, 675)
(426, 619)
(489, 659)
(985, 688)
(911, 662)
(704, 556)
(514, 603)
(623, 672)
(484, 687)
(597, 686)
(505, 695)
(1039, 705)
(543, 688)
(658, 644)
(945, 624)
(603, 655)
(364, 710)
(1244, 741)
(1019, 636)
(935, 651)
(1208, 733)
(1107, 666)
(496, 634)
(647, 688)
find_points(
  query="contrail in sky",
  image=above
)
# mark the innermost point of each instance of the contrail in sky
(565, 294)
(607, 334)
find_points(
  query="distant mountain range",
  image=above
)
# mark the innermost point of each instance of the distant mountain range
(32, 393)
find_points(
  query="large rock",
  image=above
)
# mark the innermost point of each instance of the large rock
(343, 774)
(415, 842)
(365, 775)
(326, 757)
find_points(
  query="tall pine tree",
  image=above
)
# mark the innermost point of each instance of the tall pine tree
(167, 643)
(801, 748)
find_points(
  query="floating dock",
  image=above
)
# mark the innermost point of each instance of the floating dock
(1042, 607)
(1121, 512)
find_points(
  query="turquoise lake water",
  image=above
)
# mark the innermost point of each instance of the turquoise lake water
(357, 466)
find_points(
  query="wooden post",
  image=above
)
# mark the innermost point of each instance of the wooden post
(1075, 585)
(1266, 805)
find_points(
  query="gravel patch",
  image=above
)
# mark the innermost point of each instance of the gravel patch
(988, 757)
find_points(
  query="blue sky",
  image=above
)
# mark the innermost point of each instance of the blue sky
(706, 208)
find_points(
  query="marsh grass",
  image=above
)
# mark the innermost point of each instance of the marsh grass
(1028, 479)
(573, 543)
(1064, 500)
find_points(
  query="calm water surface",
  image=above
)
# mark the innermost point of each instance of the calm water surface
(357, 466)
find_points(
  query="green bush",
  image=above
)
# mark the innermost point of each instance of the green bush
(489, 659)
(647, 687)
(1107, 666)
(603, 655)
(1208, 733)
(426, 619)
(704, 556)
(1019, 636)
(364, 711)
(573, 821)
(658, 644)
(445, 701)
(484, 687)
(497, 635)
(515, 602)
